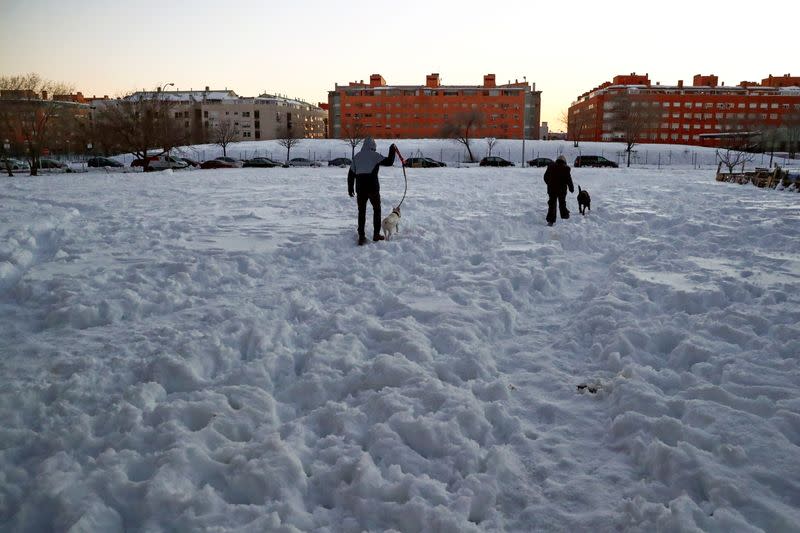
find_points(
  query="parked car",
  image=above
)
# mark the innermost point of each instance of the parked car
(52, 164)
(423, 162)
(190, 162)
(235, 162)
(15, 164)
(218, 163)
(340, 162)
(262, 162)
(540, 162)
(161, 162)
(303, 162)
(594, 161)
(495, 161)
(100, 162)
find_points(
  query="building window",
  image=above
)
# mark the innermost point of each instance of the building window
(245, 113)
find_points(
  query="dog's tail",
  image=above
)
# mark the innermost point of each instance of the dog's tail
(579, 189)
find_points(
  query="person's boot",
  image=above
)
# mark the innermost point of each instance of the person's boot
(378, 237)
(362, 240)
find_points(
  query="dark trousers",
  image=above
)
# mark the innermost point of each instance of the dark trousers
(551, 207)
(374, 197)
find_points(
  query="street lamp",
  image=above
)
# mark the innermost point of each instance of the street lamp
(161, 88)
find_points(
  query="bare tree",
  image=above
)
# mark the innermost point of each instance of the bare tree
(353, 134)
(737, 149)
(139, 124)
(491, 142)
(287, 137)
(791, 128)
(770, 139)
(224, 133)
(461, 127)
(29, 115)
(632, 119)
(577, 123)
(738, 141)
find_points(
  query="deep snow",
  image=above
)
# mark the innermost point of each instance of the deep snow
(209, 350)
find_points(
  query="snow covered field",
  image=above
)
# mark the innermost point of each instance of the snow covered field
(209, 350)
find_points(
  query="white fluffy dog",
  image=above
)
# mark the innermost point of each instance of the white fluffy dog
(391, 224)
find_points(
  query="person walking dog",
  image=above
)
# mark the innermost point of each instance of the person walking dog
(558, 179)
(363, 179)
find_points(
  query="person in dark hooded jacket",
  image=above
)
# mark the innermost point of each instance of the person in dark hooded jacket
(558, 179)
(363, 174)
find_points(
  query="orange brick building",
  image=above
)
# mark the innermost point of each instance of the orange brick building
(695, 114)
(421, 111)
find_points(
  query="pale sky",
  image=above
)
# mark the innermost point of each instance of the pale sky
(302, 48)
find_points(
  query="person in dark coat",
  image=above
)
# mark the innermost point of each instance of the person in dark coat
(558, 179)
(363, 174)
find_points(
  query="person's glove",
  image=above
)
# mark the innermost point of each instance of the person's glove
(351, 193)
(572, 189)
(393, 148)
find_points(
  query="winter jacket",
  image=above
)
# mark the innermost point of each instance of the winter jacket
(363, 171)
(558, 179)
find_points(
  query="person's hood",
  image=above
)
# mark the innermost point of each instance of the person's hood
(367, 158)
(369, 144)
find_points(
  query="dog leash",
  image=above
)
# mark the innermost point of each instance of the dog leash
(403, 162)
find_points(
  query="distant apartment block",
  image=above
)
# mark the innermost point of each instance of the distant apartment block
(507, 111)
(700, 114)
(66, 114)
(255, 118)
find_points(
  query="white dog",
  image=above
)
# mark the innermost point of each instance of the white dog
(391, 224)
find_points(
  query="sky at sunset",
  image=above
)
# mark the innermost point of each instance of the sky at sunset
(303, 48)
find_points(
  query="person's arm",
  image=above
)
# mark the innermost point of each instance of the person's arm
(351, 180)
(546, 176)
(569, 181)
(389, 160)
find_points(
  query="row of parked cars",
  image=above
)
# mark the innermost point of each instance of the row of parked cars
(580, 161)
(163, 162)
(44, 163)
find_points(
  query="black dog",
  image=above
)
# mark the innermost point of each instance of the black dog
(584, 201)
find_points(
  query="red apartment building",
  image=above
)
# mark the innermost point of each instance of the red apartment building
(421, 111)
(695, 115)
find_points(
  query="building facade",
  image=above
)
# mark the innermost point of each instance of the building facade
(510, 111)
(262, 117)
(700, 114)
(41, 124)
